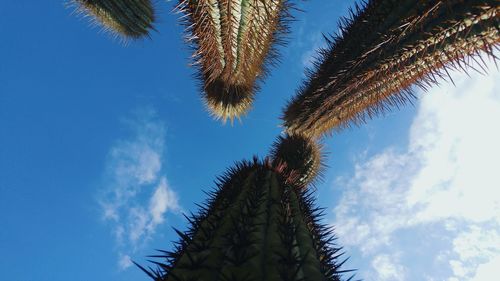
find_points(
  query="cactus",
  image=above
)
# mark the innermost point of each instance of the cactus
(301, 155)
(384, 48)
(127, 18)
(257, 225)
(234, 41)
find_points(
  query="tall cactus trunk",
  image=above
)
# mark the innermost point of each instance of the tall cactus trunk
(256, 226)
(385, 48)
(127, 18)
(233, 41)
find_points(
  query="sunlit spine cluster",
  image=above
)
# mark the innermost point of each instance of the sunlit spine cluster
(124, 18)
(234, 42)
(383, 49)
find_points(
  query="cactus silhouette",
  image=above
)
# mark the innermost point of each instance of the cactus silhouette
(384, 48)
(233, 45)
(257, 225)
(126, 18)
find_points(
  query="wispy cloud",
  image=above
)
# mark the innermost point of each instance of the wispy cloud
(135, 196)
(315, 41)
(124, 261)
(387, 267)
(437, 201)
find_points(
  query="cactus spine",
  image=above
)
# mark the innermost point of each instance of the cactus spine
(257, 225)
(234, 41)
(383, 49)
(127, 18)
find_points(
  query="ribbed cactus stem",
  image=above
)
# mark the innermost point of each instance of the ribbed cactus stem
(311, 266)
(255, 227)
(127, 18)
(233, 42)
(271, 238)
(385, 48)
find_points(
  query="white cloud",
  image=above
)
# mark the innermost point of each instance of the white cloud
(124, 262)
(316, 41)
(163, 199)
(137, 224)
(134, 170)
(387, 269)
(441, 191)
(476, 242)
(487, 271)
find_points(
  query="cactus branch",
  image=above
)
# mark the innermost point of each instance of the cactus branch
(233, 41)
(385, 48)
(126, 18)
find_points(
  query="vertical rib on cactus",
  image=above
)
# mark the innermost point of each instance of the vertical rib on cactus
(255, 226)
(128, 18)
(384, 49)
(234, 41)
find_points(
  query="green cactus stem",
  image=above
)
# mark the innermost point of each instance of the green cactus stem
(383, 49)
(234, 42)
(126, 18)
(255, 226)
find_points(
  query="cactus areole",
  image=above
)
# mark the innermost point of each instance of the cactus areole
(382, 50)
(255, 226)
(233, 43)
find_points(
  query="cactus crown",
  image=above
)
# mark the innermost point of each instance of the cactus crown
(234, 41)
(301, 156)
(255, 226)
(228, 101)
(384, 48)
(125, 18)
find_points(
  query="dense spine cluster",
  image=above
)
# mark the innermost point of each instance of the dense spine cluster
(126, 18)
(383, 49)
(234, 41)
(301, 156)
(255, 226)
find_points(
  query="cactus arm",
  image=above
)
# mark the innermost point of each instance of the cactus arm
(126, 18)
(413, 65)
(353, 84)
(232, 48)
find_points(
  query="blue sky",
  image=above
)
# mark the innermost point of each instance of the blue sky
(103, 146)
